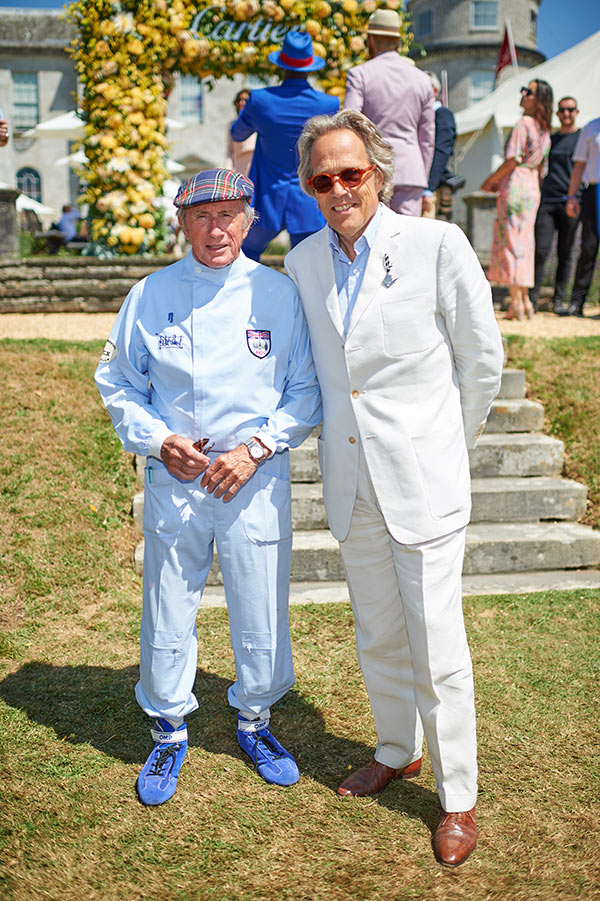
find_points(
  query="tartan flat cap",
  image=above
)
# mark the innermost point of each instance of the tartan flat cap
(213, 185)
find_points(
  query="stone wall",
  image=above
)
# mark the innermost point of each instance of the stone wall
(76, 284)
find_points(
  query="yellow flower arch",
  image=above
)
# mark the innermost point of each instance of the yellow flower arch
(125, 54)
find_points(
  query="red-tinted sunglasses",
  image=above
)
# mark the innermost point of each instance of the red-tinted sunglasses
(350, 178)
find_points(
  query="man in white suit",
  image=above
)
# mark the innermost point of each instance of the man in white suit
(409, 358)
(398, 98)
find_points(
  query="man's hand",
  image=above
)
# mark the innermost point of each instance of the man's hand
(428, 204)
(182, 459)
(226, 475)
(573, 208)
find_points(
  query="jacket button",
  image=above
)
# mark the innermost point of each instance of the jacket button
(355, 393)
(352, 440)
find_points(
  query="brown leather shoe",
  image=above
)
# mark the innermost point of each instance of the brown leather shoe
(374, 777)
(455, 837)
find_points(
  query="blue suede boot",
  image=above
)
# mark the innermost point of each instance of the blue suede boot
(158, 777)
(272, 761)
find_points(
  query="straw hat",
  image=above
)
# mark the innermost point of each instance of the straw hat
(385, 22)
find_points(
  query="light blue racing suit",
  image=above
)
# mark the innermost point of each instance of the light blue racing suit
(222, 354)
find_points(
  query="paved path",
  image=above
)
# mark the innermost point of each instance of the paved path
(92, 326)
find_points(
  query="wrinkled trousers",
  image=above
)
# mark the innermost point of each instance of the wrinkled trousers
(253, 536)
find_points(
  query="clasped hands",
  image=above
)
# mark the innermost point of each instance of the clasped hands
(224, 476)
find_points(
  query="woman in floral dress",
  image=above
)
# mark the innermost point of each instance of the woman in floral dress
(517, 181)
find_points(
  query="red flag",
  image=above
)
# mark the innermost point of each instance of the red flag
(508, 53)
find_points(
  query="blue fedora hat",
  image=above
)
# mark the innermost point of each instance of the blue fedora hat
(297, 54)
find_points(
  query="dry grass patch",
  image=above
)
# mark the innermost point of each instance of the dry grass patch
(73, 737)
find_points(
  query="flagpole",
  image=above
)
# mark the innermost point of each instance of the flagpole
(444, 92)
(511, 47)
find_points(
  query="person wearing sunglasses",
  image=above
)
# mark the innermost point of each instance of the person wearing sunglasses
(409, 358)
(208, 374)
(552, 218)
(586, 171)
(517, 182)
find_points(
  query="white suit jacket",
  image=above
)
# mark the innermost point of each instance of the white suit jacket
(413, 379)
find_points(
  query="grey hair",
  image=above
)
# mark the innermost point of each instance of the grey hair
(378, 151)
(435, 82)
(250, 214)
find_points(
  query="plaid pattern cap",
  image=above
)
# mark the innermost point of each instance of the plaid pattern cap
(212, 185)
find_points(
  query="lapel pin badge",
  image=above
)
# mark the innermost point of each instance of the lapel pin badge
(388, 280)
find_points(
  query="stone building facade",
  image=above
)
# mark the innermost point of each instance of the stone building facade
(463, 37)
(38, 82)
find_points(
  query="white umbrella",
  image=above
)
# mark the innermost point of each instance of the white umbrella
(80, 159)
(23, 202)
(70, 127)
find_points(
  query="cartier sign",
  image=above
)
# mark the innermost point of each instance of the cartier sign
(260, 31)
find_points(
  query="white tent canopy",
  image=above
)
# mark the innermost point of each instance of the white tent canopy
(70, 127)
(575, 72)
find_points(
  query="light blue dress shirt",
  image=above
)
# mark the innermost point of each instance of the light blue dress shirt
(222, 354)
(349, 273)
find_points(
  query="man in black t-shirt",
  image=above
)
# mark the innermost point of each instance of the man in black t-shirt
(551, 216)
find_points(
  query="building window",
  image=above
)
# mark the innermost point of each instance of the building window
(424, 24)
(30, 183)
(482, 84)
(484, 14)
(190, 99)
(26, 101)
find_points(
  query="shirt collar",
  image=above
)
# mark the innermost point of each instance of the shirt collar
(364, 242)
(195, 270)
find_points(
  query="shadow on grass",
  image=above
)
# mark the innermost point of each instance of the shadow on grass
(95, 705)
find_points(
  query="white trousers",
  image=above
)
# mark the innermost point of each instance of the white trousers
(412, 647)
(253, 535)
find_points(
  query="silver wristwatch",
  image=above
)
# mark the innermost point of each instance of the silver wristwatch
(257, 451)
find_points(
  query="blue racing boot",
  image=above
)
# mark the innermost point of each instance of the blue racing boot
(271, 760)
(158, 777)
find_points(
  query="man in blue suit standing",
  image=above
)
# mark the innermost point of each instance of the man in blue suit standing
(277, 115)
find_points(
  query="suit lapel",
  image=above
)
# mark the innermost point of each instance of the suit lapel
(323, 263)
(386, 244)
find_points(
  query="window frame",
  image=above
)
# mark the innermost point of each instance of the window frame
(486, 27)
(24, 173)
(19, 104)
(419, 33)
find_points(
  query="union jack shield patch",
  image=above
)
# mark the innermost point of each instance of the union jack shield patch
(259, 342)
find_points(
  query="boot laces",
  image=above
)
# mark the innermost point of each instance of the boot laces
(164, 757)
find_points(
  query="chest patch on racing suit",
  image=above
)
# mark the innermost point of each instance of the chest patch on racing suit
(259, 342)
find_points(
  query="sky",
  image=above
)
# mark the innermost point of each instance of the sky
(561, 23)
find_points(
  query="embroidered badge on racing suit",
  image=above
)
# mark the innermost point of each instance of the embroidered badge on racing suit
(109, 352)
(170, 341)
(259, 342)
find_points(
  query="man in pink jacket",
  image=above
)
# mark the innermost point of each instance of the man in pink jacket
(398, 98)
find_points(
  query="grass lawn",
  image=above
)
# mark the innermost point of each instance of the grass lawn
(72, 737)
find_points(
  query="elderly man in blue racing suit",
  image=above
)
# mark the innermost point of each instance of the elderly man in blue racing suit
(208, 373)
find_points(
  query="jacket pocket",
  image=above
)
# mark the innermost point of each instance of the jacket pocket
(408, 325)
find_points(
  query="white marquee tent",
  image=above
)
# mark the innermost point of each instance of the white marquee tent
(483, 127)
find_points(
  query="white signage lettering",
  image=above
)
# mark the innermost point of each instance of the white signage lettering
(260, 31)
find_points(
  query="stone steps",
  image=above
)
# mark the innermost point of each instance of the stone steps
(491, 548)
(494, 500)
(489, 583)
(523, 536)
